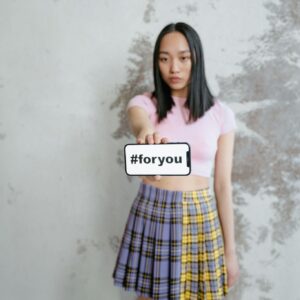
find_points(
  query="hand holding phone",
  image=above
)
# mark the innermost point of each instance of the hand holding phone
(153, 159)
(150, 139)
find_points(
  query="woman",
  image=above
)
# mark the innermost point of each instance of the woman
(178, 242)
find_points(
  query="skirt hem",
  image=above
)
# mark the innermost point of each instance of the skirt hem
(132, 289)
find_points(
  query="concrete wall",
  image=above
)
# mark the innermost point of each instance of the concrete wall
(67, 70)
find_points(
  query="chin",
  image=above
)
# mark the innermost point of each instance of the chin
(177, 86)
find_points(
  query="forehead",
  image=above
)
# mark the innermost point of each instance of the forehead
(174, 43)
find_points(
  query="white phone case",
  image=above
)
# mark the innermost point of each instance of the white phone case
(158, 159)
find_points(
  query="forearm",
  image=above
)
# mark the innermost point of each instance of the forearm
(226, 215)
(139, 123)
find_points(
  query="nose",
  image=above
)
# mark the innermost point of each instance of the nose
(174, 66)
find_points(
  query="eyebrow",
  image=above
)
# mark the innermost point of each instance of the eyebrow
(166, 52)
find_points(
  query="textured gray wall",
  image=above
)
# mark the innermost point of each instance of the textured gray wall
(67, 70)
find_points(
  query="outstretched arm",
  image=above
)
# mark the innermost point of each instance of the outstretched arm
(141, 127)
(139, 123)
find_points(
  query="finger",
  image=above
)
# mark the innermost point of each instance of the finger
(156, 137)
(164, 140)
(157, 177)
(140, 140)
(149, 139)
(230, 281)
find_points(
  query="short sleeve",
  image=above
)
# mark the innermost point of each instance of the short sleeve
(228, 122)
(144, 102)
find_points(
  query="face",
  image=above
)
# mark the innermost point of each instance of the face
(175, 63)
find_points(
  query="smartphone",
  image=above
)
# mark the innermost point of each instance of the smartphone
(158, 159)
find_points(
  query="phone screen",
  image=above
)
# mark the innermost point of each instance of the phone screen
(158, 159)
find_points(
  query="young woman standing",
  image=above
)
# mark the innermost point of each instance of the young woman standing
(179, 242)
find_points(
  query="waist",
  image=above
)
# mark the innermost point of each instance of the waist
(180, 183)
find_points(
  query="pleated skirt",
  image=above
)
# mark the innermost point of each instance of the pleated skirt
(172, 246)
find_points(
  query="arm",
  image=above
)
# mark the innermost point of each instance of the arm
(223, 192)
(142, 129)
(223, 189)
(139, 122)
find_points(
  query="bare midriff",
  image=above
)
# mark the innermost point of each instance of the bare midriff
(180, 183)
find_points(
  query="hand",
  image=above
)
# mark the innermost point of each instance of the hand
(151, 138)
(232, 265)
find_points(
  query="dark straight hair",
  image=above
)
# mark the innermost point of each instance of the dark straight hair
(199, 99)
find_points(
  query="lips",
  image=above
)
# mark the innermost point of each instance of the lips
(175, 79)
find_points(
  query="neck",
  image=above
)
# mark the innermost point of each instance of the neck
(180, 93)
(179, 97)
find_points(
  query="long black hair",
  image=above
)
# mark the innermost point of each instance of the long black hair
(199, 99)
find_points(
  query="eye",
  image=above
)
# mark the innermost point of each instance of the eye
(163, 59)
(185, 57)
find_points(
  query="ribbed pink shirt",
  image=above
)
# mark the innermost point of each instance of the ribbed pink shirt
(201, 135)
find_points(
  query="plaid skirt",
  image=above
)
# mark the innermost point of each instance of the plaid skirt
(172, 246)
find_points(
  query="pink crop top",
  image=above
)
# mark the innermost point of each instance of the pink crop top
(201, 135)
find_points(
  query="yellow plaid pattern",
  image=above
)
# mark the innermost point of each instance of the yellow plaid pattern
(203, 271)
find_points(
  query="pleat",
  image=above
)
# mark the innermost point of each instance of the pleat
(197, 247)
(159, 281)
(184, 249)
(145, 281)
(189, 263)
(214, 285)
(120, 270)
(176, 231)
(221, 271)
(134, 243)
(204, 257)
